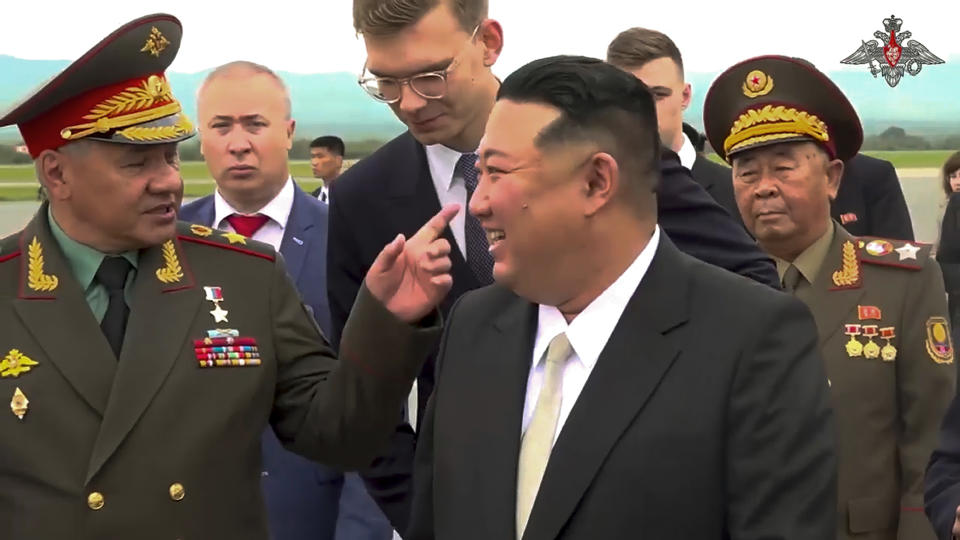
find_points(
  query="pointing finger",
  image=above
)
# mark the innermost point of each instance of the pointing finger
(434, 228)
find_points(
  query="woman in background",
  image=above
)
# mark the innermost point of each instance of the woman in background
(948, 248)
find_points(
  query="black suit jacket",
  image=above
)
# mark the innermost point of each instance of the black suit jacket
(717, 179)
(392, 192)
(706, 416)
(942, 482)
(870, 200)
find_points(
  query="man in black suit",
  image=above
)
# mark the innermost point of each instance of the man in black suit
(640, 393)
(654, 58)
(870, 200)
(431, 62)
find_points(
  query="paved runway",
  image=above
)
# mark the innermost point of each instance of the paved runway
(921, 187)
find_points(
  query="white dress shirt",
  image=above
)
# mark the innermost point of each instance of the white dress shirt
(588, 334)
(687, 153)
(278, 210)
(450, 188)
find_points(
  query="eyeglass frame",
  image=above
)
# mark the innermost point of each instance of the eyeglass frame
(405, 81)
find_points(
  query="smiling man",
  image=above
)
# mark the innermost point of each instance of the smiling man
(879, 304)
(610, 386)
(431, 62)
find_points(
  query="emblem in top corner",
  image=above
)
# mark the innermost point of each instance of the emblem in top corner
(892, 55)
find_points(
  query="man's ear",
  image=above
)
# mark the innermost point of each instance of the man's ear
(490, 35)
(51, 167)
(834, 174)
(291, 128)
(601, 183)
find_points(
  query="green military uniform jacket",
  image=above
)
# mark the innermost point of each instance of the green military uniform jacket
(888, 400)
(165, 443)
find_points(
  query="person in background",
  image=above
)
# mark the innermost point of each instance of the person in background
(653, 58)
(879, 304)
(245, 138)
(948, 240)
(326, 160)
(870, 200)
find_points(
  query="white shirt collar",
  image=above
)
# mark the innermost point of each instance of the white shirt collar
(591, 329)
(443, 162)
(278, 209)
(687, 153)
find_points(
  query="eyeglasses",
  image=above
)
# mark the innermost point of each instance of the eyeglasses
(428, 85)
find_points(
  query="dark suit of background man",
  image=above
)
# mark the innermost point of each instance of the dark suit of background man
(326, 160)
(447, 49)
(870, 200)
(879, 304)
(143, 357)
(245, 137)
(608, 385)
(654, 59)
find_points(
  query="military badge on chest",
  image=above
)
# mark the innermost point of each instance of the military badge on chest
(224, 347)
(870, 348)
(15, 364)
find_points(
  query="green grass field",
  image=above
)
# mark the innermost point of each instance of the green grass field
(198, 182)
(195, 176)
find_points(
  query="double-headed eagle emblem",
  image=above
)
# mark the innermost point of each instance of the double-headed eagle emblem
(889, 56)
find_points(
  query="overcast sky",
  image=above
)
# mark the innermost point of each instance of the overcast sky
(317, 36)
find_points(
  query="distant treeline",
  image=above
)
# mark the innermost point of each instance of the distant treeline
(190, 151)
(893, 138)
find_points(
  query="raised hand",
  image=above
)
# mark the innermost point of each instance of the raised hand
(411, 277)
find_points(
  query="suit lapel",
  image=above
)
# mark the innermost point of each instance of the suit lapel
(628, 371)
(413, 201)
(296, 239)
(60, 319)
(160, 316)
(506, 350)
(829, 305)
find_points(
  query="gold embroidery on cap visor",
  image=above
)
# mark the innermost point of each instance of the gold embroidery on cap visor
(129, 108)
(772, 123)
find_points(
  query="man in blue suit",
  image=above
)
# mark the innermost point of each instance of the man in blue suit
(245, 138)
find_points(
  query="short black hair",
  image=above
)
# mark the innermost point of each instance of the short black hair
(599, 103)
(331, 143)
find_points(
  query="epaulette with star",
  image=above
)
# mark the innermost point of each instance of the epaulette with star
(895, 253)
(201, 234)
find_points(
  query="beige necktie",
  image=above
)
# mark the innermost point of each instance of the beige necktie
(538, 440)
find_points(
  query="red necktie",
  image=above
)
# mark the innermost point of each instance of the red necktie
(247, 225)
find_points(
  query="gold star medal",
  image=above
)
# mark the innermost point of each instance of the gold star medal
(888, 352)
(215, 295)
(870, 349)
(854, 347)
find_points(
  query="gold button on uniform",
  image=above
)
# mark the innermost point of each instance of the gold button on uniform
(95, 500)
(177, 492)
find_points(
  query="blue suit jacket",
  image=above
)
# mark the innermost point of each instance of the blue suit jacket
(302, 497)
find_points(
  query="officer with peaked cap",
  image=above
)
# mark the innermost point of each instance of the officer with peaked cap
(879, 304)
(142, 357)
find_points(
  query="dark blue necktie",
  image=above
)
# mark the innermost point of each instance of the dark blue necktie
(479, 258)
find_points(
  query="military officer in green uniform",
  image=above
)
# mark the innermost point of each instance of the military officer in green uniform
(142, 358)
(879, 304)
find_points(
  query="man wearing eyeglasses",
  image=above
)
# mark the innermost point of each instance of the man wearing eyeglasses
(430, 61)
